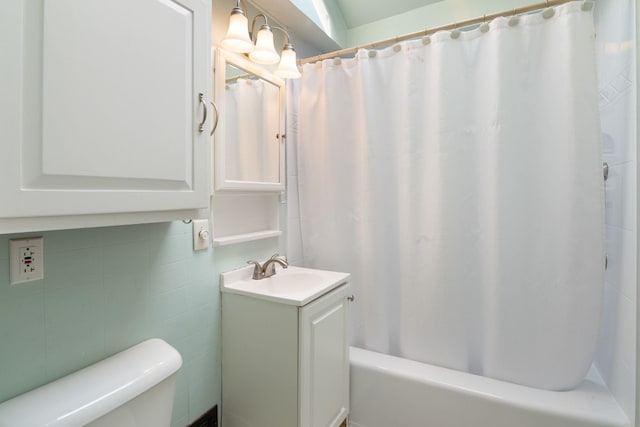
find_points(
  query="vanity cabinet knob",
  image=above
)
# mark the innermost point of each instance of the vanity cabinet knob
(351, 298)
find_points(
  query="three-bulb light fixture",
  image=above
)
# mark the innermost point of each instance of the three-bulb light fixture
(240, 39)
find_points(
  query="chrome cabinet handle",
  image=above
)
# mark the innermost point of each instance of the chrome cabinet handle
(351, 298)
(204, 105)
(215, 120)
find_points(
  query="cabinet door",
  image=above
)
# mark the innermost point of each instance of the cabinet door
(100, 108)
(324, 360)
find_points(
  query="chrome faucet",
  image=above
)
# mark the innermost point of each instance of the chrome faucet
(268, 269)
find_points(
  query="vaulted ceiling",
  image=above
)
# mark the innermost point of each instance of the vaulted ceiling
(360, 12)
(314, 21)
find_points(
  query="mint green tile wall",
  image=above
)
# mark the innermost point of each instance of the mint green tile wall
(106, 289)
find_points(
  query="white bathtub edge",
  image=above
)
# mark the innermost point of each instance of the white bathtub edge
(591, 402)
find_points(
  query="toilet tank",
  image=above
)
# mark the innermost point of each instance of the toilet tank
(130, 389)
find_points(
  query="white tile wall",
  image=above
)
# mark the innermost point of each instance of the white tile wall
(294, 238)
(616, 355)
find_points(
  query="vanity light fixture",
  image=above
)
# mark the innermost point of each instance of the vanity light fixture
(288, 69)
(264, 51)
(240, 39)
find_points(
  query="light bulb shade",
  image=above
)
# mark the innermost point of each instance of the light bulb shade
(265, 52)
(288, 68)
(237, 38)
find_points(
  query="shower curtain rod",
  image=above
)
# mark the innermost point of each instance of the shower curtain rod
(428, 31)
(242, 76)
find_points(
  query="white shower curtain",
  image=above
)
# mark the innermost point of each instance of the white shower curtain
(459, 181)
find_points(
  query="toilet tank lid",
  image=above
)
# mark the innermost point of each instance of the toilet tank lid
(90, 393)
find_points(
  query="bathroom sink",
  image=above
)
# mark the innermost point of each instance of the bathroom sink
(293, 285)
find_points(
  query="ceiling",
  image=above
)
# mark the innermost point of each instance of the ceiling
(355, 13)
(360, 12)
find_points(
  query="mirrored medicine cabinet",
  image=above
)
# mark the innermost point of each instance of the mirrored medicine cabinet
(249, 150)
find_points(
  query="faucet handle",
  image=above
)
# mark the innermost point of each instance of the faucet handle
(257, 270)
(277, 256)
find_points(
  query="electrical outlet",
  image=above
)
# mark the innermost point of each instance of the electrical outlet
(200, 234)
(26, 259)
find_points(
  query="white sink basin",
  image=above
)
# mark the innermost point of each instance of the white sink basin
(293, 285)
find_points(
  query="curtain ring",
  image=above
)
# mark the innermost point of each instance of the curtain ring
(513, 21)
(587, 5)
(455, 33)
(548, 12)
(484, 27)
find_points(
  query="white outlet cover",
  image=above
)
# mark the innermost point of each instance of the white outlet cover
(26, 260)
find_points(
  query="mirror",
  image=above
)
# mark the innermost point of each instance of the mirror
(249, 149)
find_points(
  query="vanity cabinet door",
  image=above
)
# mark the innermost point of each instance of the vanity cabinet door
(100, 107)
(324, 360)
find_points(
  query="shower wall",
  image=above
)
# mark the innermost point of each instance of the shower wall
(616, 358)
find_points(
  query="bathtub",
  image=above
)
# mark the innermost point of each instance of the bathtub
(388, 391)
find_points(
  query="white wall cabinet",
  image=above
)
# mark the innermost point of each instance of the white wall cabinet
(249, 150)
(285, 365)
(100, 112)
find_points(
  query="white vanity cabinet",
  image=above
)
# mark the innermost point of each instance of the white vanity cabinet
(324, 360)
(285, 365)
(102, 112)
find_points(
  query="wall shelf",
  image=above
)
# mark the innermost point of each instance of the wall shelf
(246, 237)
(239, 217)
